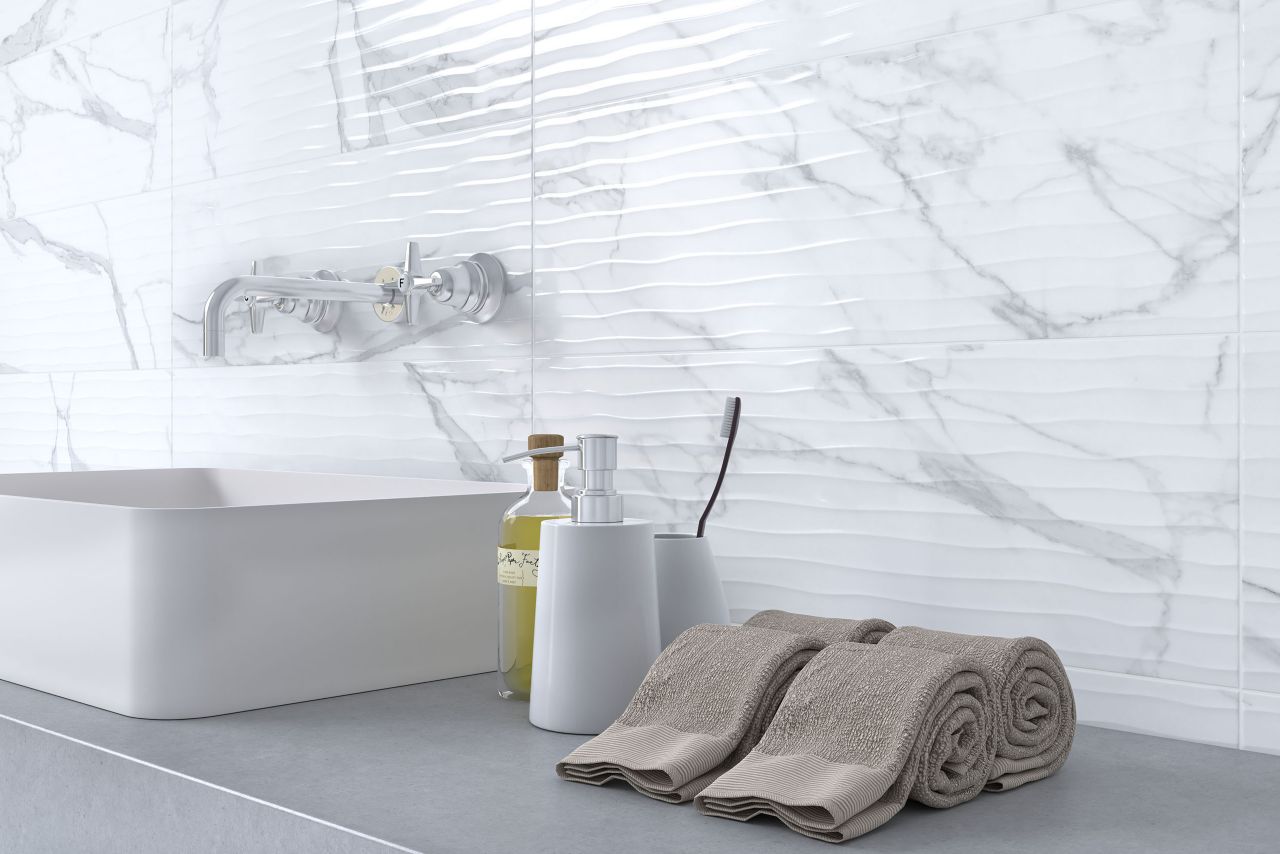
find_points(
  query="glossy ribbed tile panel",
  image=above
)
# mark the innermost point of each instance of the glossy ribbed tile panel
(455, 194)
(1260, 494)
(438, 419)
(1260, 176)
(1068, 176)
(1156, 707)
(1260, 722)
(87, 288)
(27, 26)
(103, 419)
(262, 84)
(86, 120)
(1082, 491)
(594, 50)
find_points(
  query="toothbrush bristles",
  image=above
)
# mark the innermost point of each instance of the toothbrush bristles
(731, 405)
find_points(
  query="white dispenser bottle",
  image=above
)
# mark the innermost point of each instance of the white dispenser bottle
(595, 628)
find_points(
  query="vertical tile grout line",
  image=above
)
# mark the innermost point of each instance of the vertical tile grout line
(533, 121)
(1240, 382)
(173, 237)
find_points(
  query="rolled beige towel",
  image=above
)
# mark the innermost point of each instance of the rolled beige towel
(1035, 710)
(861, 729)
(701, 708)
(828, 629)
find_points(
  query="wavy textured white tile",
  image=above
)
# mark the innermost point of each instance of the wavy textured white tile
(265, 84)
(429, 420)
(1260, 125)
(27, 26)
(1071, 175)
(1083, 491)
(87, 120)
(595, 50)
(59, 422)
(1260, 722)
(1170, 709)
(87, 288)
(455, 194)
(1260, 490)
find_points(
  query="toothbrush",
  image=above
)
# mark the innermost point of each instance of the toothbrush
(728, 430)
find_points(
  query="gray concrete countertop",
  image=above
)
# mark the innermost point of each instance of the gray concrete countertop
(447, 766)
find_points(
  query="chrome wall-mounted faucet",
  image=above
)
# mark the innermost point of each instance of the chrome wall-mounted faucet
(474, 287)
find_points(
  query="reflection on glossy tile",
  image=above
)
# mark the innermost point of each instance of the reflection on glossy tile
(445, 420)
(595, 50)
(87, 120)
(1260, 121)
(67, 422)
(1073, 175)
(947, 486)
(1171, 709)
(1260, 548)
(86, 288)
(264, 84)
(456, 195)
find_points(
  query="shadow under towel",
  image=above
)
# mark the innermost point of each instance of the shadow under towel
(1035, 710)
(827, 629)
(701, 707)
(861, 729)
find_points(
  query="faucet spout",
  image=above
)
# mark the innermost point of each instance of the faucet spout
(242, 287)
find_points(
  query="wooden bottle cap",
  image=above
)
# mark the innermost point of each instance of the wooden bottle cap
(546, 467)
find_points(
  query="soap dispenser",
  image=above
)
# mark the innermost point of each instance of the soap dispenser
(596, 629)
(518, 553)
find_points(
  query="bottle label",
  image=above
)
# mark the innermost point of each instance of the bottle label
(518, 567)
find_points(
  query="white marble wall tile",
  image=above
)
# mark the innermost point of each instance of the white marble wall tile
(1082, 491)
(456, 194)
(448, 420)
(1260, 493)
(1260, 722)
(103, 419)
(87, 288)
(87, 120)
(1180, 710)
(589, 51)
(1071, 175)
(1260, 204)
(264, 84)
(27, 26)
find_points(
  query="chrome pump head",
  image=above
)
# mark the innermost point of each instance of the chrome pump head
(596, 501)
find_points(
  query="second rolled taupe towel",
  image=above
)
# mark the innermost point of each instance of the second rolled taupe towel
(701, 707)
(861, 729)
(1035, 711)
(827, 629)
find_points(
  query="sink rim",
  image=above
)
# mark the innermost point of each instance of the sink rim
(375, 487)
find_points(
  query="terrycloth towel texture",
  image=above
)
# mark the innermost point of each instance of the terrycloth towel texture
(701, 707)
(861, 729)
(1035, 711)
(828, 629)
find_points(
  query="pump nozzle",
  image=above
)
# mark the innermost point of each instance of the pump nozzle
(596, 501)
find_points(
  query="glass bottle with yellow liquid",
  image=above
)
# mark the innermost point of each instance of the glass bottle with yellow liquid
(518, 541)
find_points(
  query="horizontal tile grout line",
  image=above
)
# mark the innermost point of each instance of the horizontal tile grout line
(516, 355)
(153, 766)
(1186, 683)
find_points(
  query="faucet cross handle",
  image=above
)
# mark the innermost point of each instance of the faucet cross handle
(409, 278)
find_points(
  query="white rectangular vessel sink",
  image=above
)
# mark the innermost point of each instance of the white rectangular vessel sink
(179, 593)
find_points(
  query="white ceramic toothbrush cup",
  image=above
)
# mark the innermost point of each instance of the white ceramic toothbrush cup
(689, 588)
